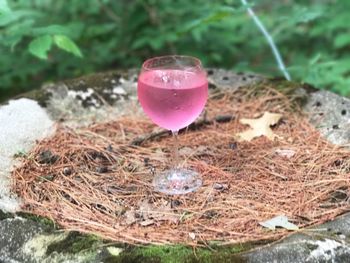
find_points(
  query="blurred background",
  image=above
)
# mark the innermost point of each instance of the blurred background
(50, 40)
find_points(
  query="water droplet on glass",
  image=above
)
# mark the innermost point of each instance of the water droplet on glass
(165, 78)
(177, 83)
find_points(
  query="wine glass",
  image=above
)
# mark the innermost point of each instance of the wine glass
(173, 91)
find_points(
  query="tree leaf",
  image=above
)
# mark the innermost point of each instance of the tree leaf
(279, 221)
(217, 15)
(40, 46)
(140, 42)
(51, 30)
(8, 17)
(259, 127)
(65, 43)
(307, 14)
(4, 7)
(72, 29)
(342, 40)
(16, 32)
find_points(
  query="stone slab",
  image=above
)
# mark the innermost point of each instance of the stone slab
(330, 113)
(22, 122)
(329, 242)
(98, 97)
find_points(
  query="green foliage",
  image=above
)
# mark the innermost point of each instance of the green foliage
(40, 46)
(321, 54)
(65, 43)
(44, 40)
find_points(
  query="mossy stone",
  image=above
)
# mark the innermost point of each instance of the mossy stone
(179, 253)
(45, 222)
(75, 242)
(4, 215)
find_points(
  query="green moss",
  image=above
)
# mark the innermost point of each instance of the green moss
(74, 243)
(44, 221)
(170, 254)
(4, 215)
(179, 253)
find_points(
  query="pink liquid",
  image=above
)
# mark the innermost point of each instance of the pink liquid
(173, 99)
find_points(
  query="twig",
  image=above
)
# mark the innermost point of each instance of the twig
(269, 39)
(194, 126)
(148, 137)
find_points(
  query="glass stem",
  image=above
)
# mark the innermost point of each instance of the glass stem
(175, 150)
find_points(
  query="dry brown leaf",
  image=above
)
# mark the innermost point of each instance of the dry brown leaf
(147, 222)
(192, 235)
(279, 221)
(130, 217)
(287, 153)
(259, 127)
(163, 212)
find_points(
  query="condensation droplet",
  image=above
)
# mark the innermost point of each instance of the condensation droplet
(165, 79)
(177, 83)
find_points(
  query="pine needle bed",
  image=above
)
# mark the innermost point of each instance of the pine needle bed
(97, 179)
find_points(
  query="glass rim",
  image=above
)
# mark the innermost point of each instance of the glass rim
(197, 62)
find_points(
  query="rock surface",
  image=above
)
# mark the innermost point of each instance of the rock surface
(26, 240)
(104, 96)
(329, 242)
(21, 123)
(330, 113)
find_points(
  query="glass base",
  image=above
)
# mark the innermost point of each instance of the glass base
(177, 181)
